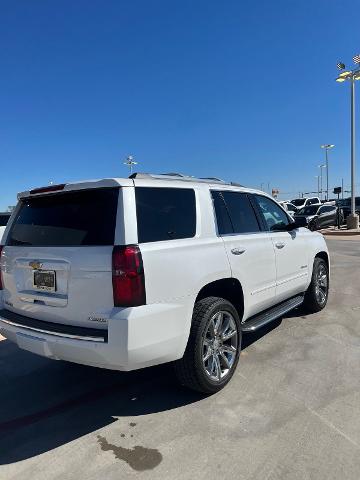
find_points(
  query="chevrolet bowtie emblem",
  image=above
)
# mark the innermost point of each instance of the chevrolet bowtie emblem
(35, 265)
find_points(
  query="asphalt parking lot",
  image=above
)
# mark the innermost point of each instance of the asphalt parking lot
(292, 410)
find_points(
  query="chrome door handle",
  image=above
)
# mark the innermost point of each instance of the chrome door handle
(279, 244)
(237, 251)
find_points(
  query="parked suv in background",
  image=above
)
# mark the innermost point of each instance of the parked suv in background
(289, 207)
(345, 205)
(305, 202)
(128, 273)
(320, 216)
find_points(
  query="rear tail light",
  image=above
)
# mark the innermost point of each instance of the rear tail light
(1, 283)
(128, 276)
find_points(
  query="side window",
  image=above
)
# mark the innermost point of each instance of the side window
(224, 224)
(241, 212)
(291, 208)
(274, 216)
(328, 209)
(165, 213)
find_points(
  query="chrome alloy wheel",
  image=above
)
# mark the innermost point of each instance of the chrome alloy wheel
(220, 344)
(321, 284)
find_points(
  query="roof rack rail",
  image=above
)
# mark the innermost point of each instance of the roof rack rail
(174, 174)
(181, 177)
(213, 178)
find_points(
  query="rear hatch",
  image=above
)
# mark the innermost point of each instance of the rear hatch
(57, 262)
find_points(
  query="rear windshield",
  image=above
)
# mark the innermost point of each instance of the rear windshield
(67, 219)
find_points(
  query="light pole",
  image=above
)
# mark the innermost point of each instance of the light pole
(130, 163)
(327, 147)
(351, 75)
(321, 180)
(318, 184)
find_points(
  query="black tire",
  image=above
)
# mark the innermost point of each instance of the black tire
(191, 370)
(313, 301)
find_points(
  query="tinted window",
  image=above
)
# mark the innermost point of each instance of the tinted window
(291, 208)
(312, 201)
(298, 202)
(274, 216)
(74, 218)
(242, 215)
(312, 210)
(165, 213)
(327, 209)
(4, 219)
(222, 216)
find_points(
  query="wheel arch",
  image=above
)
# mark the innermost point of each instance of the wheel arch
(228, 288)
(325, 256)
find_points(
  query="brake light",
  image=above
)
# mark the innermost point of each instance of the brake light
(1, 283)
(128, 276)
(51, 188)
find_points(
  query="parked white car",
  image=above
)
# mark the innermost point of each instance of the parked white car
(127, 273)
(305, 202)
(289, 207)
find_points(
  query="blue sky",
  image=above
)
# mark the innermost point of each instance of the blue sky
(237, 89)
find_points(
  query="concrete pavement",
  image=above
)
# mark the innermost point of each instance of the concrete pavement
(292, 410)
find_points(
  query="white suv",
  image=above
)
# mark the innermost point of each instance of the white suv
(305, 202)
(128, 273)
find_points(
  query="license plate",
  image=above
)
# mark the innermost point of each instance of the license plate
(44, 280)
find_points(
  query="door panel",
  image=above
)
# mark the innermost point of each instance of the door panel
(327, 217)
(290, 249)
(252, 262)
(250, 251)
(291, 263)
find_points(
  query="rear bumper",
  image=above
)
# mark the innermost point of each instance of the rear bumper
(136, 338)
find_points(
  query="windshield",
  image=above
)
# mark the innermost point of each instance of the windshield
(298, 202)
(69, 219)
(311, 210)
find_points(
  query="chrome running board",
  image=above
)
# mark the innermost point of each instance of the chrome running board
(262, 319)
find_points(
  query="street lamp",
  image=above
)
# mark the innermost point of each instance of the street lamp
(351, 75)
(327, 147)
(321, 180)
(318, 184)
